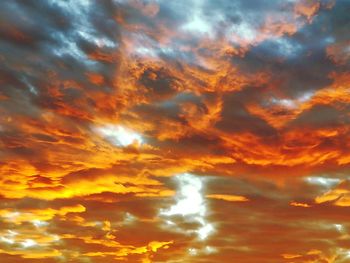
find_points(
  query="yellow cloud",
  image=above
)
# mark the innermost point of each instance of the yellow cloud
(229, 198)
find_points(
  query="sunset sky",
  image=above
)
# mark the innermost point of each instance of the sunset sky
(168, 131)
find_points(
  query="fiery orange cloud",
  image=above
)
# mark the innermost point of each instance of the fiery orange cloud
(174, 131)
(299, 204)
(230, 198)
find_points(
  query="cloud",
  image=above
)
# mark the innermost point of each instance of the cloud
(229, 198)
(119, 135)
(168, 131)
(190, 205)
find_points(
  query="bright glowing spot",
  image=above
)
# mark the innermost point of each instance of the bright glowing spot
(39, 223)
(28, 243)
(210, 250)
(190, 200)
(119, 135)
(169, 222)
(305, 97)
(190, 204)
(12, 233)
(99, 41)
(12, 215)
(242, 32)
(324, 181)
(339, 227)
(144, 51)
(129, 218)
(7, 240)
(204, 231)
(198, 24)
(192, 251)
(55, 237)
(284, 102)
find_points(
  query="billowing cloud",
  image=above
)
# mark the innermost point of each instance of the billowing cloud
(171, 131)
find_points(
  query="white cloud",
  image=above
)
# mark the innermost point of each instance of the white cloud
(288, 103)
(339, 227)
(39, 223)
(205, 231)
(210, 250)
(198, 24)
(119, 135)
(242, 32)
(190, 204)
(192, 251)
(323, 181)
(7, 240)
(28, 243)
(189, 197)
(8, 237)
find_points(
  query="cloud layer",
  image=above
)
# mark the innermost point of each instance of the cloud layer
(174, 131)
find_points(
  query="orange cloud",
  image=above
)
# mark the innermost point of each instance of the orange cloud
(229, 198)
(299, 204)
(103, 103)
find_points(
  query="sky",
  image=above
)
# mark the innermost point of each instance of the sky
(158, 131)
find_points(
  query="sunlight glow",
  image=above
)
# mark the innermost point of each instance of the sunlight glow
(7, 240)
(198, 24)
(324, 181)
(39, 223)
(339, 227)
(204, 231)
(28, 243)
(192, 251)
(190, 200)
(190, 204)
(119, 135)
